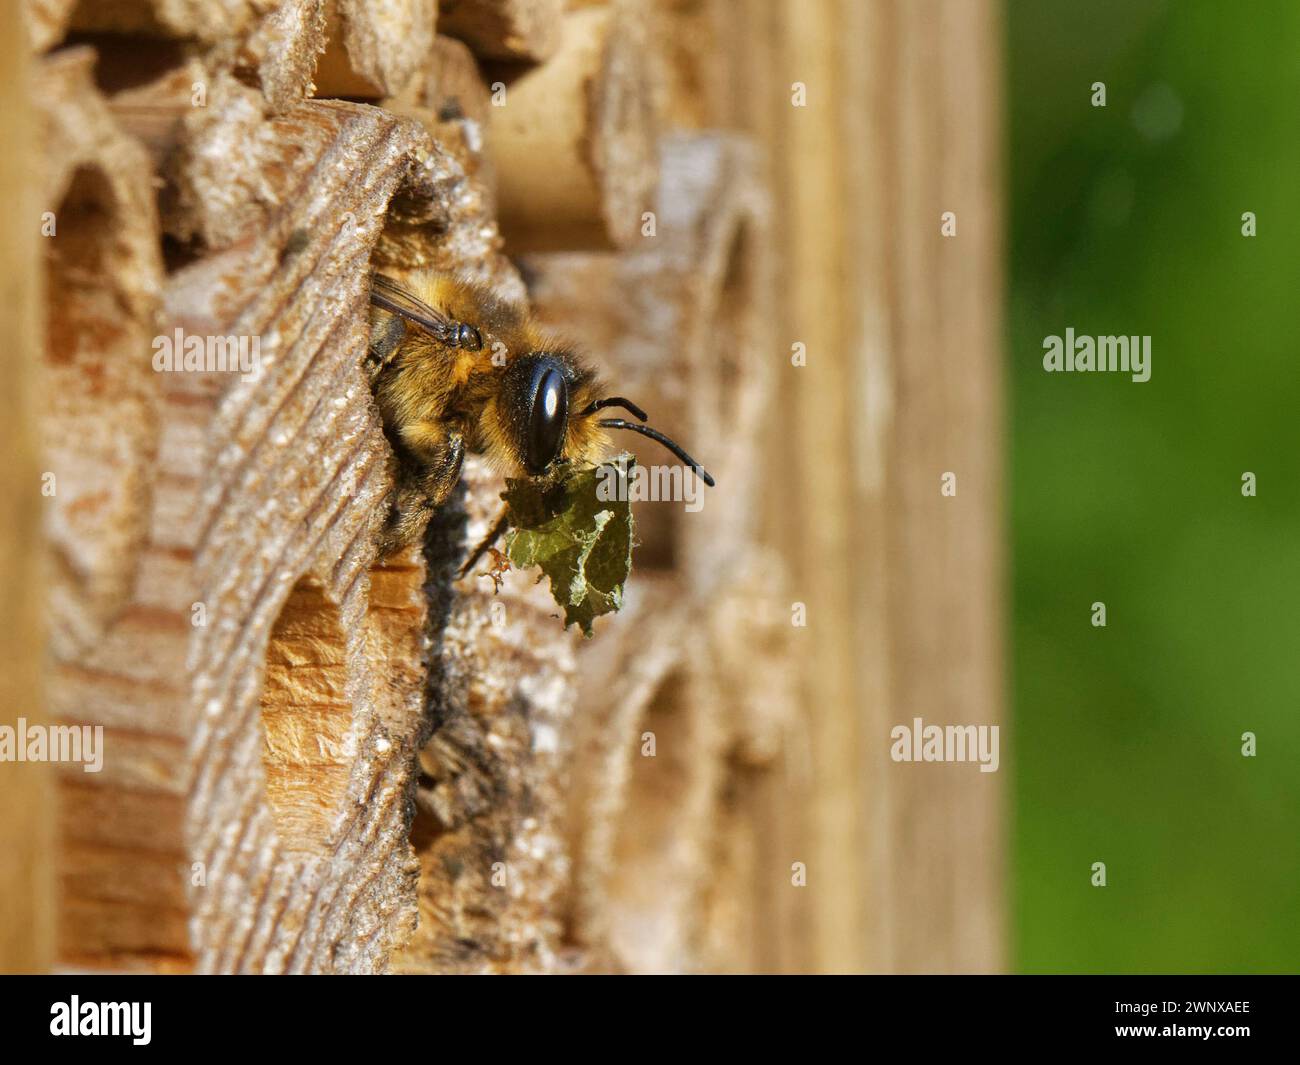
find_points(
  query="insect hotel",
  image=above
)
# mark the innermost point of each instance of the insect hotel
(305, 748)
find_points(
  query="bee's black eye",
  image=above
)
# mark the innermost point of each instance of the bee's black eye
(467, 337)
(547, 419)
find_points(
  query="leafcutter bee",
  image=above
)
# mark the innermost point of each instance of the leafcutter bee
(456, 369)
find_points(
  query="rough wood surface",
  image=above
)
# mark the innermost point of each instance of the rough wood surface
(488, 826)
(450, 100)
(284, 535)
(374, 50)
(290, 795)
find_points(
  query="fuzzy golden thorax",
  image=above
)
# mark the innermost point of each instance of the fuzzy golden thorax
(431, 389)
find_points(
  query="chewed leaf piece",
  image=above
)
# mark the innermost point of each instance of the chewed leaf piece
(579, 532)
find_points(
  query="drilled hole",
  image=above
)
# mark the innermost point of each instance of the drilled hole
(95, 379)
(306, 718)
(129, 61)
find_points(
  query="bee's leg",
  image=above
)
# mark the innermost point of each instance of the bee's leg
(441, 452)
(438, 453)
(494, 534)
(407, 518)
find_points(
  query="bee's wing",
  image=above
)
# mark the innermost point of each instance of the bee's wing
(388, 295)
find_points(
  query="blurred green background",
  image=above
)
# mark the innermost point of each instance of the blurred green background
(1127, 220)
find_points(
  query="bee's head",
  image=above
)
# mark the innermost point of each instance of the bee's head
(552, 402)
(536, 391)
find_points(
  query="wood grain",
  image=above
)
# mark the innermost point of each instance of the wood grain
(901, 327)
(27, 831)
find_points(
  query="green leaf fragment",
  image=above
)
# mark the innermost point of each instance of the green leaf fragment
(579, 532)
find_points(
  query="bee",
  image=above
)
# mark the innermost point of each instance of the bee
(456, 369)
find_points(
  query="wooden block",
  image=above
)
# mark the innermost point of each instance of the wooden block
(275, 739)
(305, 781)
(454, 84)
(101, 437)
(274, 46)
(900, 583)
(273, 699)
(450, 100)
(515, 30)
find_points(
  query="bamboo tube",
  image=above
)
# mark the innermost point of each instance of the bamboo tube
(575, 138)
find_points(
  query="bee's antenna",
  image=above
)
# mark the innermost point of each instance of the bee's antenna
(615, 401)
(655, 434)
